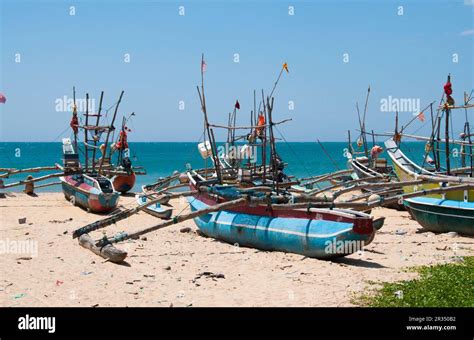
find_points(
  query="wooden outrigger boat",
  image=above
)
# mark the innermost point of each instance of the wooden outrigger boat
(450, 211)
(312, 232)
(93, 192)
(87, 186)
(123, 183)
(367, 164)
(443, 212)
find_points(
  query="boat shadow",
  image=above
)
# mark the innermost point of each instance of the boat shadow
(358, 262)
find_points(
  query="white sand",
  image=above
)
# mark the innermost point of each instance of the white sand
(162, 270)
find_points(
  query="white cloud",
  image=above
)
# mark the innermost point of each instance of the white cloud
(468, 32)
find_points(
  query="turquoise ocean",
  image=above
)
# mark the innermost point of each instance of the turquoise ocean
(162, 158)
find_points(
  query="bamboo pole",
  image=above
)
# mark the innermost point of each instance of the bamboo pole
(86, 163)
(96, 135)
(74, 110)
(123, 214)
(10, 172)
(303, 201)
(104, 156)
(248, 127)
(48, 184)
(37, 179)
(328, 175)
(327, 154)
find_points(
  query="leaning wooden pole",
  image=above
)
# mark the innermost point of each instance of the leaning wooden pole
(111, 127)
(96, 134)
(86, 148)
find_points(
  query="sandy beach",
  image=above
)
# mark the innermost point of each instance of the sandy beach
(174, 268)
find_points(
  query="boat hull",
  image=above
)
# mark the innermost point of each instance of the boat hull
(318, 238)
(88, 197)
(124, 183)
(406, 170)
(154, 210)
(439, 215)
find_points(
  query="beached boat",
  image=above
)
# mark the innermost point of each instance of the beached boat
(93, 194)
(156, 209)
(124, 183)
(441, 215)
(450, 211)
(318, 233)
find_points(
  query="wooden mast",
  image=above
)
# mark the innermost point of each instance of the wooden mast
(96, 134)
(446, 131)
(111, 127)
(264, 148)
(206, 122)
(468, 131)
(120, 154)
(272, 144)
(438, 138)
(74, 113)
(86, 148)
(363, 122)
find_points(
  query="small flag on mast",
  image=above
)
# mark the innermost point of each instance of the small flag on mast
(203, 66)
(3, 99)
(285, 66)
(237, 105)
(421, 116)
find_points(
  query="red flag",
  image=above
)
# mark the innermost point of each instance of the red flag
(237, 105)
(3, 99)
(421, 117)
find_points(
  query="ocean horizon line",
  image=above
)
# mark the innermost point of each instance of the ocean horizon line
(136, 142)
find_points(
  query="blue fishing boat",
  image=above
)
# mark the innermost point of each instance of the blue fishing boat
(442, 215)
(452, 211)
(312, 232)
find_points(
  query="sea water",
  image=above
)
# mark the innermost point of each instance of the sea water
(162, 158)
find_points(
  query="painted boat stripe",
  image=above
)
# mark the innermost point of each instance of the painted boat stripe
(289, 232)
(438, 213)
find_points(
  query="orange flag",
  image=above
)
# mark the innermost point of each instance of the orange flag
(285, 66)
(421, 117)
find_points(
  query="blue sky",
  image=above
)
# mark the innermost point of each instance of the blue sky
(403, 56)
